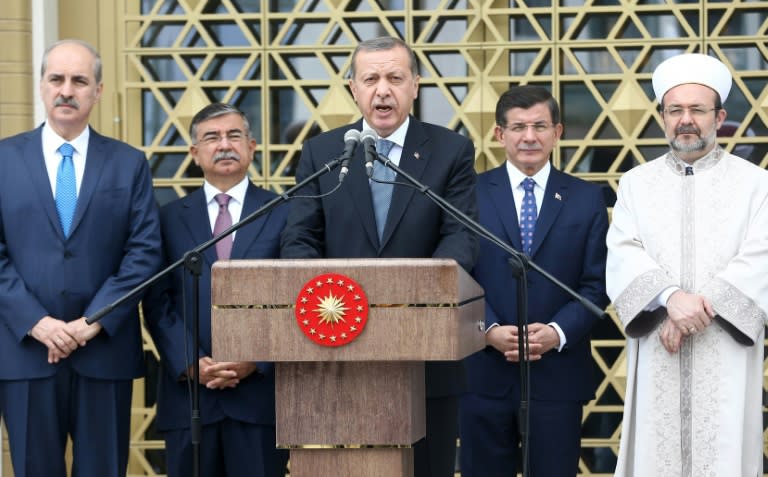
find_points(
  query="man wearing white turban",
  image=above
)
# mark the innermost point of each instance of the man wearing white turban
(686, 271)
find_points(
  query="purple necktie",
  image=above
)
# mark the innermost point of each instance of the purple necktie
(528, 215)
(223, 222)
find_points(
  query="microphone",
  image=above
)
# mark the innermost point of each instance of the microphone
(351, 139)
(369, 138)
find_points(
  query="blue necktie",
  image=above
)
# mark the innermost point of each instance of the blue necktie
(382, 193)
(66, 188)
(528, 215)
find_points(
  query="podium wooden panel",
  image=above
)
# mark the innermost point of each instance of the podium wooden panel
(358, 406)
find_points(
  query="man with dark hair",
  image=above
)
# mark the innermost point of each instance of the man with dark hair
(560, 222)
(365, 219)
(78, 230)
(237, 399)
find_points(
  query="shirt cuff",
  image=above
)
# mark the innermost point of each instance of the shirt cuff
(661, 299)
(560, 334)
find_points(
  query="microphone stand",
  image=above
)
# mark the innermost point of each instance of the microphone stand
(192, 261)
(519, 263)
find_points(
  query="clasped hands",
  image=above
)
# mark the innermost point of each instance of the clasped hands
(688, 314)
(541, 338)
(223, 374)
(63, 337)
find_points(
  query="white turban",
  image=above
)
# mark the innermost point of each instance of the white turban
(692, 68)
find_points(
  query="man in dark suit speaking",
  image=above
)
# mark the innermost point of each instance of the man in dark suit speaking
(560, 222)
(78, 229)
(364, 220)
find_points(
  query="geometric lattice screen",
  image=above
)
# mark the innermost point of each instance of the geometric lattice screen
(285, 63)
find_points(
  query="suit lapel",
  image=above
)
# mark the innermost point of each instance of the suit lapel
(503, 200)
(96, 157)
(34, 161)
(194, 216)
(554, 194)
(414, 160)
(246, 235)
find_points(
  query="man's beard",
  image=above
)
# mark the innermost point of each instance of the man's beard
(700, 144)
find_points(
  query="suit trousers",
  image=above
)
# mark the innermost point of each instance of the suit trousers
(435, 455)
(490, 437)
(228, 448)
(41, 413)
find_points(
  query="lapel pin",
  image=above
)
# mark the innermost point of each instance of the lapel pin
(558, 196)
(416, 155)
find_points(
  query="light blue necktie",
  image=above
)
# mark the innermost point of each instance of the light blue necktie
(382, 193)
(66, 188)
(528, 215)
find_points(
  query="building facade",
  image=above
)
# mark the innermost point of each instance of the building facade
(285, 64)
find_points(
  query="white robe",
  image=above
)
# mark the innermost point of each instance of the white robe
(698, 412)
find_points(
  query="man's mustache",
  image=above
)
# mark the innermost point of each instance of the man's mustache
(225, 155)
(529, 147)
(62, 101)
(687, 130)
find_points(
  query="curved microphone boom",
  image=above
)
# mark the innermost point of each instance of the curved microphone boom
(369, 138)
(351, 140)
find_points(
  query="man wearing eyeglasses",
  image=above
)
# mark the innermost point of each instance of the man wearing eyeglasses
(237, 399)
(687, 261)
(560, 222)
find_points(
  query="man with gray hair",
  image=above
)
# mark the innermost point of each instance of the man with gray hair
(237, 399)
(78, 229)
(687, 255)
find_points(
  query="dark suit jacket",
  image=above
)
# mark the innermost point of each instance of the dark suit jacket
(113, 246)
(342, 225)
(569, 243)
(185, 225)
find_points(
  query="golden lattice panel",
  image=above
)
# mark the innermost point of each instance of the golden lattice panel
(285, 63)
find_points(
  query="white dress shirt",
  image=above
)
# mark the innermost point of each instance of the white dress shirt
(397, 137)
(235, 206)
(51, 144)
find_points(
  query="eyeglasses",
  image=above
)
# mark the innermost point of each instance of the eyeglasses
(520, 128)
(234, 136)
(694, 111)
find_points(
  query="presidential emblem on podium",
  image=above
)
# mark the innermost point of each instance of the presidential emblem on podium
(331, 309)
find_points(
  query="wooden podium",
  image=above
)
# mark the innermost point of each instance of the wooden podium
(351, 410)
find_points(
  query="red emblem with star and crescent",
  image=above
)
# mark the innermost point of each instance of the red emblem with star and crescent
(331, 309)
